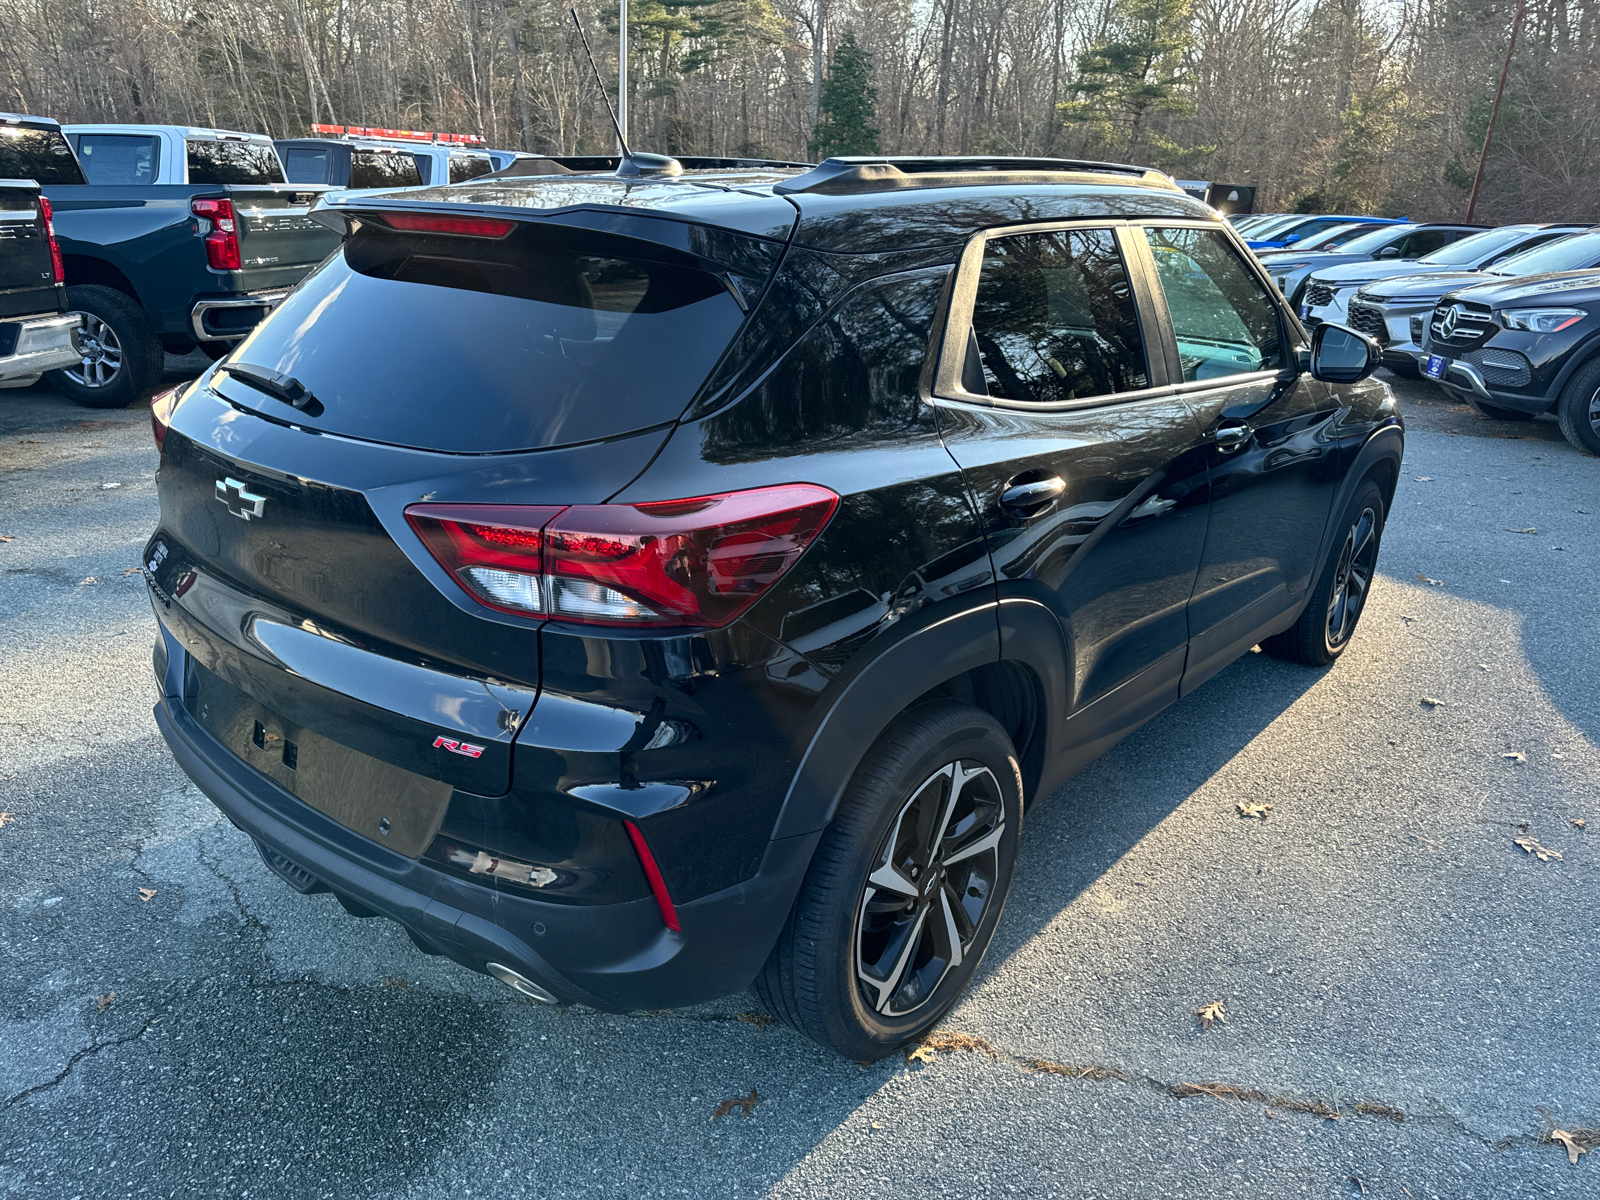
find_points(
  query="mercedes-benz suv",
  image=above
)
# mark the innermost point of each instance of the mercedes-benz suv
(644, 588)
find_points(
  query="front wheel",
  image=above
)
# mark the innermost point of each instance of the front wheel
(1342, 589)
(122, 358)
(1578, 410)
(905, 888)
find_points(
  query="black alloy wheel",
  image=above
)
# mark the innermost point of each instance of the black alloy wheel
(1342, 588)
(905, 888)
(924, 902)
(1578, 410)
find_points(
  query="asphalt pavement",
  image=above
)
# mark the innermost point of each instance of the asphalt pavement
(1410, 997)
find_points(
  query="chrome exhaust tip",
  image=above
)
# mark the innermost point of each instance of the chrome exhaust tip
(520, 984)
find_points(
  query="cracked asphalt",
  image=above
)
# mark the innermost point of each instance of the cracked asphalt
(177, 1022)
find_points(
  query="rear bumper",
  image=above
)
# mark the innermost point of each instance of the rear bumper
(228, 318)
(617, 957)
(42, 344)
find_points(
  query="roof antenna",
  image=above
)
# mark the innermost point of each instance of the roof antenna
(631, 164)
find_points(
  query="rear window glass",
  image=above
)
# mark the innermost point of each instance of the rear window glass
(474, 345)
(301, 164)
(123, 159)
(469, 166)
(383, 169)
(38, 154)
(233, 162)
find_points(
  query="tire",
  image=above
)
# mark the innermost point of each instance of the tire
(123, 358)
(865, 963)
(1578, 410)
(1340, 594)
(1495, 413)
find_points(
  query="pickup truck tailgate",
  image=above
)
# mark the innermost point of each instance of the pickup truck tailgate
(27, 282)
(278, 240)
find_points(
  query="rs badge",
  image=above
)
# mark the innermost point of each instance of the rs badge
(455, 747)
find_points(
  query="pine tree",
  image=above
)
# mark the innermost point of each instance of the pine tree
(848, 94)
(1137, 72)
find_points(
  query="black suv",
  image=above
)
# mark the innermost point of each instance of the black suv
(1516, 348)
(645, 588)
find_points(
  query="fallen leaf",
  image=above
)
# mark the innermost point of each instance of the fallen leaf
(1570, 1142)
(1515, 756)
(1210, 1014)
(32, 442)
(3, 538)
(106, 487)
(1431, 702)
(106, 1000)
(1532, 846)
(130, 571)
(7, 819)
(744, 1102)
(922, 1054)
(1253, 810)
(1529, 529)
(1577, 822)
(1424, 478)
(877, 1125)
(87, 579)
(395, 981)
(147, 894)
(1430, 582)
(1359, 1184)
(759, 1019)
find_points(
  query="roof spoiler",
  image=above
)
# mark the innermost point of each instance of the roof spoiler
(851, 176)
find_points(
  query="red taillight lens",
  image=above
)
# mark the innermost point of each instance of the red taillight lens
(698, 562)
(658, 885)
(161, 406)
(222, 237)
(484, 227)
(47, 215)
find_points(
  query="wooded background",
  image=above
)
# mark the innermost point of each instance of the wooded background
(1325, 105)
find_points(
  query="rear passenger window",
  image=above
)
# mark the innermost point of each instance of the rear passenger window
(119, 159)
(469, 166)
(383, 169)
(1055, 318)
(1222, 316)
(230, 161)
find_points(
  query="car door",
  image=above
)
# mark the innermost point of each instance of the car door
(1272, 449)
(1088, 472)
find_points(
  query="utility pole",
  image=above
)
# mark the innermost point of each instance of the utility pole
(622, 75)
(1477, 182)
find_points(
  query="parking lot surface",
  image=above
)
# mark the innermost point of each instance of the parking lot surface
(1410, 996)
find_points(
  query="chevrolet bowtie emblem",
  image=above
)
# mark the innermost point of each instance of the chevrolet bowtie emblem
(241, 501)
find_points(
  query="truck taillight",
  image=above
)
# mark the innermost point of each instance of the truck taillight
(220, 232)
(699, 562)
(47, 215)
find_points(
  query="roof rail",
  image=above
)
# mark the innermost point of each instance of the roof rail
(846, 176)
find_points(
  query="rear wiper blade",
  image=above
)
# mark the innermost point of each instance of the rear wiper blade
(277, 385)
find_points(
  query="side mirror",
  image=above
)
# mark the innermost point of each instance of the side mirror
(1341, 355)
(1293, 237)
(1389, 252)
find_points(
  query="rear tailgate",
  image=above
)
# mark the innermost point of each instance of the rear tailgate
(27, 282)
(279, 243)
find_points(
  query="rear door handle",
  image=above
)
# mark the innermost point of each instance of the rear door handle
(1026, 498)
(1231, 435)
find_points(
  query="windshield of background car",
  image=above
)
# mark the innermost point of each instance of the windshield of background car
(120, 159)
(1476, 248)
(233, 162)
(1572, 253)
(383, 169)
(543, 337)
(41, 155)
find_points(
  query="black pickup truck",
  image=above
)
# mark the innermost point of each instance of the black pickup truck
(178, 237)
(36, 332)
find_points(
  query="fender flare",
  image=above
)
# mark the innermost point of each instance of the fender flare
(1386, 443)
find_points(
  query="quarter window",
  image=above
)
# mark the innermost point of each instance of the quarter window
(1055, 318)
(1223, 318)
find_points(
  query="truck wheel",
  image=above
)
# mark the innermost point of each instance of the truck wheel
(1495, 413)
(122, 357)
(1578, 410)
(904, 889)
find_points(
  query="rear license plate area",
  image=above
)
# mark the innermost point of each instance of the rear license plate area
(396, 808)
